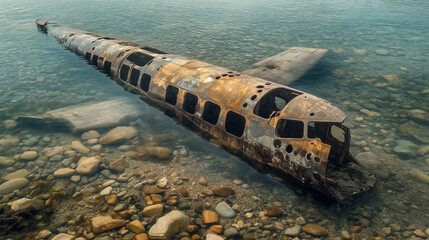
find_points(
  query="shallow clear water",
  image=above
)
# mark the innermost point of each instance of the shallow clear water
(378, 60)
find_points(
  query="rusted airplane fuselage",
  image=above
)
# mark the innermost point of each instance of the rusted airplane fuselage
(284, 129)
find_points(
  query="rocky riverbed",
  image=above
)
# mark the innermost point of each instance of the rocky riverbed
(133, 182)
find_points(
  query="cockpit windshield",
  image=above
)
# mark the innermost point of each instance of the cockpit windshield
(274, 101)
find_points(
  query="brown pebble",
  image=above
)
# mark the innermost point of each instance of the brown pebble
(112, 199)
(184, 192)
(223, 191)
(315, 230)
(419, 233)
(191, 228)
(172, 202)
(275, 212)
(153, 190)
(148, 200)
(141, 236)
(203, 181)
(196, 237)
(217, 229)
(156, 198)
(357, 229)
(210, 217)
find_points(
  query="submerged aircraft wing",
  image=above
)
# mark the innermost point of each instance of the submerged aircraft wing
(286, 67)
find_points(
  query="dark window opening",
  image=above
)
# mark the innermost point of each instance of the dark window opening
(106, 67)
(290, 128)
(94, 59)
(88, 56)
(190, 103)
(124, 72)
(273, 101)
(139, 58)
(134, 78)
(211, 112)
(171, 95)
(145, 82)
(318, 130)
(235, 123)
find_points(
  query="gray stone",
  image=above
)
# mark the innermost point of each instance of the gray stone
(419, 115)
(50, 152)
(63, 236)
(106, 173)
(63, 172)
(419, 175)
(88, 165)
(106, 191)
(120, 207)
(169, 225)
(79, 147)
(6, 162)
(119, 134)
(31, 141)
(27, 204)
(416, 131)
(43, 234)
(12, 185)
(118, 165)
(293, 231)
(22, 173)
(405, 148)
(9, 124)
(371, 162)
(211, 236)
(224, 210)
(75, 178)
(90, 135)
(230, 232)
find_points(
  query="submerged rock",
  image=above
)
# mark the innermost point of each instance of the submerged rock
(22, 173)
(119, 134)
(90, 135)
(28, 155)
(419, 175)
(419, 115)
(169, 225)
(8, 141)
(136, 226)
(293, 231)
(101, 224)
(63, 236)
(88, 165)
(224, 210)
(63, 172)
(416, 131)
(119, 165)
(315, 230)
(9, 124)
(79, 147)
(27, 204)
(210, 217)
(406, 148)
(152, 211)
(211, 236)
(161, 153)
(223, 191)
(371, 162)
(6, 162)
(12, 185)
